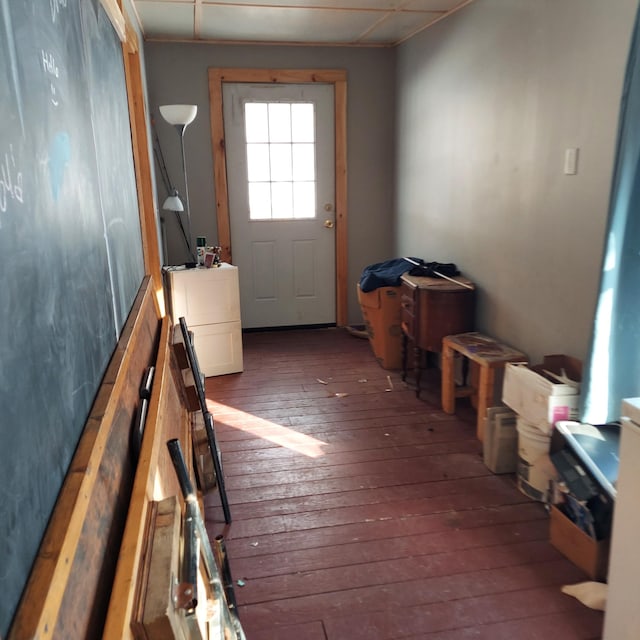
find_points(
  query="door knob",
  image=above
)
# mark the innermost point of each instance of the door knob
(329, 224)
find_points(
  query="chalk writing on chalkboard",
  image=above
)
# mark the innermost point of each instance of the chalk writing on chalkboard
(56, 5)
(10, 181)
(51, 68)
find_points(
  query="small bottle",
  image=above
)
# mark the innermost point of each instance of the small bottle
(201, 243)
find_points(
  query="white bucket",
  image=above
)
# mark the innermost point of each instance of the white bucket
(535, 469)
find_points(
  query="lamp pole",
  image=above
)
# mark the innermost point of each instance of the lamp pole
(180, 128)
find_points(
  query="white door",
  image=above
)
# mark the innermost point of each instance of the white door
(280, 143)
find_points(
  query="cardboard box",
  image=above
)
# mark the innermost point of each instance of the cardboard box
(539, 398)
(591, 555)
(381, 314)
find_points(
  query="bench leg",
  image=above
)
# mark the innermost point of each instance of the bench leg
(485, 396)
(448, 384)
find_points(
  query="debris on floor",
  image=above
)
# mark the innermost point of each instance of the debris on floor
(591, 594)
(357, 332)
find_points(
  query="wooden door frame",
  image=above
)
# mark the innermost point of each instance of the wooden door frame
(336, 77)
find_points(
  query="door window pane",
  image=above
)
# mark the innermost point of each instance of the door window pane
(304, 160)
(258, 163)
(279, 122)
(302, 123)
(281, 175)
(260, 200)
(256, 122)
(282, 200)
(304, 200)
(281, 168)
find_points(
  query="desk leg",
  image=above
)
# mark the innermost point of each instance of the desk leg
(417, 360)
(448, 384)
(404, 356)
(485, 396)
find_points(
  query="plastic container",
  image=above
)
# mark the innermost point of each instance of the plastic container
(535, 470)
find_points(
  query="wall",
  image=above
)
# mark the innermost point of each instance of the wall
(177, 73)
(487, 102)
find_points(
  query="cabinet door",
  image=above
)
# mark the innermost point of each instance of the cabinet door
(205, 296)
(219, 348)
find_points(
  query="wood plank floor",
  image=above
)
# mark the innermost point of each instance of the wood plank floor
(363, 513)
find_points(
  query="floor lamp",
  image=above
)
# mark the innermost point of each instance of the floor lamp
(181, 115)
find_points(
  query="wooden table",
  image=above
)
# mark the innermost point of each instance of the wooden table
(432, 308)
(490, 355)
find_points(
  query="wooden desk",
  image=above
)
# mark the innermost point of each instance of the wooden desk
(432, 308)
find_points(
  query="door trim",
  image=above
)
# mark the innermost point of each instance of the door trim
(337, 77)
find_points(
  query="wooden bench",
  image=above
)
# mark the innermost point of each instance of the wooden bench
(489, 355)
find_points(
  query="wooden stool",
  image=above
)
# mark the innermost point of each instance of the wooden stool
(489, 355)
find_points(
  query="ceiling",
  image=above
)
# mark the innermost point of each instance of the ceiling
(308, 22)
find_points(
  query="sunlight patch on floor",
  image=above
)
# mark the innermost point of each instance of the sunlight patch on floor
(267, 430)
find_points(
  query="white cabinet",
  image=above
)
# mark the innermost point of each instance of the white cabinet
(622, 618)
(209, 300)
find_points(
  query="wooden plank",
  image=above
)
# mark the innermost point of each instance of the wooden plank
(40, 612)
(342, 236)
(394, 621)
(482, 490)
(114, 13)
(160, 617)
(328, 534)
(262, 563)
(182, 360)
(220, 165)
(432, 514)
(555, 625)
(154, 480)
(234, 466)
(307, 630)
(504, 562)
(141, 160)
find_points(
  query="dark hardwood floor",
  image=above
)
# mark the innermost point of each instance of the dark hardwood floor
(363, 513)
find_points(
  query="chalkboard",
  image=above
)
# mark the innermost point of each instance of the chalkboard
(70, 252)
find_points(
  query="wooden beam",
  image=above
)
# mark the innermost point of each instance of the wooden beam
(114, 13)
(155, 480)
(142, 162)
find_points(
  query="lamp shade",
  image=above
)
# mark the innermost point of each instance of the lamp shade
(179, 114)
(173, 203)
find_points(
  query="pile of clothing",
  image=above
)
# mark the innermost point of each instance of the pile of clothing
(389, 272)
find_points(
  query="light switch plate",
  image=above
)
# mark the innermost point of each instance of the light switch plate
(571, 161)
